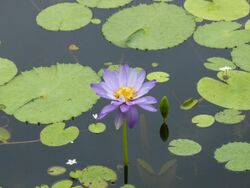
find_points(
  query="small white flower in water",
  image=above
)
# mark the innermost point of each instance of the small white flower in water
(94, 116)
(71, 161)
(225, 68)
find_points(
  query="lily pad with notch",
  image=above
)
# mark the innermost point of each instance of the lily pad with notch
(215, 63)
(229, 116)
(203, 120)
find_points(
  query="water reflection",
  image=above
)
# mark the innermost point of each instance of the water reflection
(164, 132)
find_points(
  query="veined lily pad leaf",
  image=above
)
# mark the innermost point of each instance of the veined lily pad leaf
(247, 24)
(104, 3)
(241, 56)
(53, 94)
(160, 77)
(57, 135)
(64, 17)
(62, 184)
(218, 10)
(221, 35)
(229, 116)
(7, 70)
(145, 27)
(56, 170)
(94, 176)
(189, 103)
(203, 120)
(236, 155)
(4, 135)
(184, 147)
(97, 128)
(215, 63)
(231, 93)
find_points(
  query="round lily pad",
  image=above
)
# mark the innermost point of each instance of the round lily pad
(203, 120)
(57, 135)
(97, 128)
(218, 10)
(184, 147)
(189, 103)
(62, 184)
(215, 63)
(96, 21)
(221, 35)
(229, 116)
(158, 76)
(104, 3)
(236, 155)
(231, 93)
(145, 27)
(241, 56)
(53, 94)
(7, 70)
(56, 170)
(64, 17)
(4, 135)
(154, 64)
(94, 176)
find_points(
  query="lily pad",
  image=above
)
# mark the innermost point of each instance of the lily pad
(97, 128)
(218, 10)
(94, 176)
(62, 184)
(96, 21)
(154, 64)
(229, 116)
(189, 104)
(128, 186)
(236, 155)
(241, 56)
(221, 35)
(231, 93)
(64, 17)
(215, 63)
(104, 3)
(203, 120)
(184, 147)
(56, 170)
(145, 27)
(247, 24)
(7, 70)
(53, 94)
(160, 77)
(4, 135)
(57, 135)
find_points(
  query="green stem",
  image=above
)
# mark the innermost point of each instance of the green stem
(125, 143)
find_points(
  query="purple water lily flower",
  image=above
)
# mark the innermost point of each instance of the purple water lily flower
(126, 89)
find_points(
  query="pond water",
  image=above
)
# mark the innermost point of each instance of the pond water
(24, 165)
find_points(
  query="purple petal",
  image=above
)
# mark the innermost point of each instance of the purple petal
(148, 107)
(144, 100)
(132, 78)
(140, 79)
(100, 91)
(119, 118)
(110, 80)
(107, 109)
(132, 117)
(123, 75)
(145, 88)
(124, 108)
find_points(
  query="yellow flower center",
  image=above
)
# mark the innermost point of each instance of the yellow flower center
(128, 93)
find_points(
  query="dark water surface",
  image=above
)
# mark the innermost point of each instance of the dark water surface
(25, 165)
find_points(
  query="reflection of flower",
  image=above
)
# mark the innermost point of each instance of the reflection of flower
(225, 68)
(71, 162)
(125, 88)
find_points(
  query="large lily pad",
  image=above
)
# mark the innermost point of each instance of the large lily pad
(236, 155)
(218, 9)
(231, 93)
(7, 70)
(229, 116)
(50, 94)
(221, 35)
(64, 17)
(241, 56)
(215, 63)
(104, 3)
(57, 135)
(149, 27)
(94, 176)
(184, 147)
